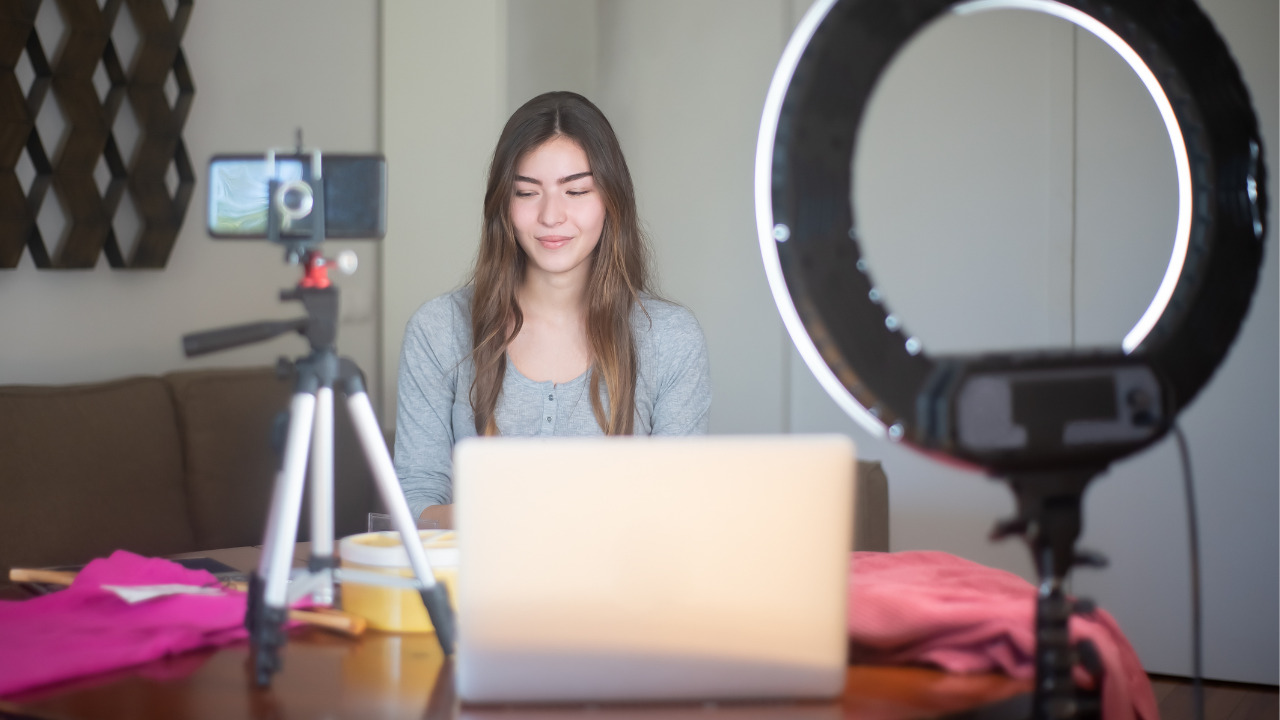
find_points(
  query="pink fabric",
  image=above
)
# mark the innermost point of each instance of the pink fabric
(84, 629)
(938, 609)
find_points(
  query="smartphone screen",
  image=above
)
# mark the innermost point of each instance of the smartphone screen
(238, 194)
(354, 195)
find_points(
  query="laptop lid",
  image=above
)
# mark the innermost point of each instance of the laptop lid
(636, 568)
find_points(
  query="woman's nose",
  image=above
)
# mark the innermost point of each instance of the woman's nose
(552, 211)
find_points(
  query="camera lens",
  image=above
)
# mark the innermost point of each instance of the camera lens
(293, 200)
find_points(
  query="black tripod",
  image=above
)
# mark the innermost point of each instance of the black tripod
(310, 439)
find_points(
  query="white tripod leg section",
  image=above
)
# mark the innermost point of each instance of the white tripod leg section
(384, 474)
(286, 503)
(322, 499)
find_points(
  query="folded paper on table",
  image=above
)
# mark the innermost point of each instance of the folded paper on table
(86, 629)
(938, 609)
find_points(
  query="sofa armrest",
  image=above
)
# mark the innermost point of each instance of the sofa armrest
(871, 507)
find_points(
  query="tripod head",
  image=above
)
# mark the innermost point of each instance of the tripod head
(319, 298)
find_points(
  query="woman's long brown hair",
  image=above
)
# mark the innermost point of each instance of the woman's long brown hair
(619, 263)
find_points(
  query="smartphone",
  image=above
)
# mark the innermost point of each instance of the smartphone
(355, 195)
(220, 570)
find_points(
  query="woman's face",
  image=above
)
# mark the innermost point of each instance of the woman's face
(557, 210)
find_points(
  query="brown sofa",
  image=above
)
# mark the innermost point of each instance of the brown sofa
(157, 465)
(871, 507)
(185, 462)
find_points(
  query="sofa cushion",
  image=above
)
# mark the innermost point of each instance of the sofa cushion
(228, 419)
(86, 469)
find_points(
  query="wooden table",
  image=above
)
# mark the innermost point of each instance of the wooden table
(383, 676)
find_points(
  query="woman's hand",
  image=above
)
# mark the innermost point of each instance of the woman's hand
(440, 515)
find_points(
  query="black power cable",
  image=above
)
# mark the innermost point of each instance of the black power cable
(1193, 538)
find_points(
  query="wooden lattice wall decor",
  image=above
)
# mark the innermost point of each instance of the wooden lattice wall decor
(85, 165)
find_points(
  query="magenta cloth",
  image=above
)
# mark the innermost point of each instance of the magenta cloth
(84, 629)
(938, 609)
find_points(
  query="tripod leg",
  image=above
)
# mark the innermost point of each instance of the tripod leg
(322, 563)
(268, 604)
(434, 595)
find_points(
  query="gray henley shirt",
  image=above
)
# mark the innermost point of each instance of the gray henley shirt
(673, 391)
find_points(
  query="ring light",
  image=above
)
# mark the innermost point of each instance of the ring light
(957, 405)
(1047, 422)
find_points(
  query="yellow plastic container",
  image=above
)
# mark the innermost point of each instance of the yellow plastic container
(390, 608)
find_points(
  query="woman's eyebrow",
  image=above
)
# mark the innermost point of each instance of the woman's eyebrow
(561, 181)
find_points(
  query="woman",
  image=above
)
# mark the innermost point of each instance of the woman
(556, 333)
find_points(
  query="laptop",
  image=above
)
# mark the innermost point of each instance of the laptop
(638, 569)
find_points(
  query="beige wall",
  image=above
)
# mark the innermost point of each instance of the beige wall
(570, 62)
(687, 116)
(253, 88)
(443, 104)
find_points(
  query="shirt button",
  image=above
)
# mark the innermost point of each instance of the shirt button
(551, 397)
(548, 419)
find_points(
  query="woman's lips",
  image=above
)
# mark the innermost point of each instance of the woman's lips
(551, 242)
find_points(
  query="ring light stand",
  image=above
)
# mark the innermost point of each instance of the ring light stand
(1046, 422)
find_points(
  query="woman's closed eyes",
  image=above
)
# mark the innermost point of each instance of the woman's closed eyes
(570, 193)
(583, 186)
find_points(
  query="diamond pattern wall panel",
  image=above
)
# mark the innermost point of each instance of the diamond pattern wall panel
(84, 164)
